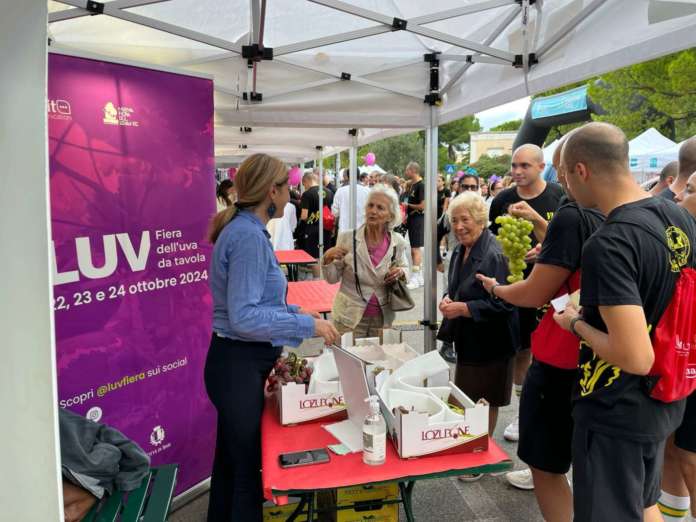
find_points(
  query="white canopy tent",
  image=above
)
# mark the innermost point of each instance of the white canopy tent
(650, 151)
(372, 63)
(648, 141)
(355, 64)
(657, 159)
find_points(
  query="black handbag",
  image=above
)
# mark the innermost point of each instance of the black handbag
(400, 298)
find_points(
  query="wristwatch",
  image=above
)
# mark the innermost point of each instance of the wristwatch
(572, 325)
(495, 297)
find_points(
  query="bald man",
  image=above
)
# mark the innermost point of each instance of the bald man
(546, 423)
(533, 199)
(630, 266)
(687, 166)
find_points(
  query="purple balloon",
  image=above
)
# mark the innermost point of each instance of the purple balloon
(370, 159)
(295, 176)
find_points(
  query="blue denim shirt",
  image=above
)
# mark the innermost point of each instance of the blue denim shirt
(249, 288)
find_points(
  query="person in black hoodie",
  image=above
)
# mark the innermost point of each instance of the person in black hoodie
(483, 328)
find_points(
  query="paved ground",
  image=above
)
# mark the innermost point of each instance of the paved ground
(491, 499)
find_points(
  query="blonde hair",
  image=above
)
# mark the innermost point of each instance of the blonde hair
(472, 202)
(254, 178)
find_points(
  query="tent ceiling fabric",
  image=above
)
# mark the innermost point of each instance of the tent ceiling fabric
(315, 41)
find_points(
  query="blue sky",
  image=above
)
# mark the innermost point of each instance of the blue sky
(510, 111)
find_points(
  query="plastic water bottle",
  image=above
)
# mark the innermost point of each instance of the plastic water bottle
(374, 434)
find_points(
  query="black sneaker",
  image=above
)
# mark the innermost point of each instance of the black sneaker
(447, 352)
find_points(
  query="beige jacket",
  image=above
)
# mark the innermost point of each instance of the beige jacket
(348, 306)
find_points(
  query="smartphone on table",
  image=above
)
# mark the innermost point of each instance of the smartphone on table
(303, 458)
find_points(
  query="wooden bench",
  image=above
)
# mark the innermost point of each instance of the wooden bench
(148, 503)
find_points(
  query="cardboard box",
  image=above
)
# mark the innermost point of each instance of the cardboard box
(298, 403)
(273, 513)
(426, 414)
(361, 493)
(387, 513)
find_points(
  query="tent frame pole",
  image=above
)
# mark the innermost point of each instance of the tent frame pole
(430, 239)
(320, 160)
(489, 40)
(165, 27)
(352, 211)
(413, 27)
(80, 8)
(568, 27)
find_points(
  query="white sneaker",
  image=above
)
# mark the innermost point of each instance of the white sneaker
(416, 281)
(421, 282)
(512, 431)
(521, 479)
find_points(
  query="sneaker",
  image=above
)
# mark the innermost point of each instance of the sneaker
(447, 353)
(521, 479)
(414, 283)
(512, 431)
(470, 478)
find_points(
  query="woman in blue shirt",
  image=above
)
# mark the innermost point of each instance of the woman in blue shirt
(251, 324)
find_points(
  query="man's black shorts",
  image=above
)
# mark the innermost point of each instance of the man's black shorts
(614, 479)
(528, 318)
(685, 436)
(546, 423)
(416, 229)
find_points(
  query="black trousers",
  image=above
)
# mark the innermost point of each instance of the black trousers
(235, 374)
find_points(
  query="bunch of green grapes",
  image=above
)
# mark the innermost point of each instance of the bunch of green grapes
(513, 236)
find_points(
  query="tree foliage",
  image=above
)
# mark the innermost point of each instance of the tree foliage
(660, 93)
(486, 165)
(511, 125)
(393, 154)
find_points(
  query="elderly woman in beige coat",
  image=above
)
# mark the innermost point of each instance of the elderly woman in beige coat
(362, 303)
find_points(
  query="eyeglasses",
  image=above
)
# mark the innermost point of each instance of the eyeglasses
(468, 187)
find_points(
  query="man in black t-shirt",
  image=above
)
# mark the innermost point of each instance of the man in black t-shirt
(629, 269)
(415, 221)
(687, 166)
(308, 235)
(534, 199)
(546, 423)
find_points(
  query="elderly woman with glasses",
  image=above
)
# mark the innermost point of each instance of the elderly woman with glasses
(367, 261)
(482, 327)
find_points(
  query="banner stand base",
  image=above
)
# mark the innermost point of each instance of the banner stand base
(190, 495)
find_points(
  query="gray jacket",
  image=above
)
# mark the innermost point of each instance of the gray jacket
(99, 458)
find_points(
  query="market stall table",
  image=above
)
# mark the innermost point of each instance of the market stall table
(293, 259)
(349, 470)
(315, 296)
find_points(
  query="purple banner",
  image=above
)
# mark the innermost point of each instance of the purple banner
(132, 191)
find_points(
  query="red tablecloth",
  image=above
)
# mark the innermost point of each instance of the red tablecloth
(317, 296)
(294, 257)
(348, 470)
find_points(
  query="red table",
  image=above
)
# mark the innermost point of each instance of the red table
(349, 470)
(293, 259)
(316, 296)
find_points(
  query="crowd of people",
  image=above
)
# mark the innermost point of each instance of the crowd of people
(581, 374)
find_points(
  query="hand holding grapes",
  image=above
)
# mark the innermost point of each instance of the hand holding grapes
(513, 237)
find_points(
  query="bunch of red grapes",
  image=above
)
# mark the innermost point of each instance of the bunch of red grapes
(288, 369)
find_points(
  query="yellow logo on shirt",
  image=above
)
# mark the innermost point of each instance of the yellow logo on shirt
(679, 246)
(596, 372)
